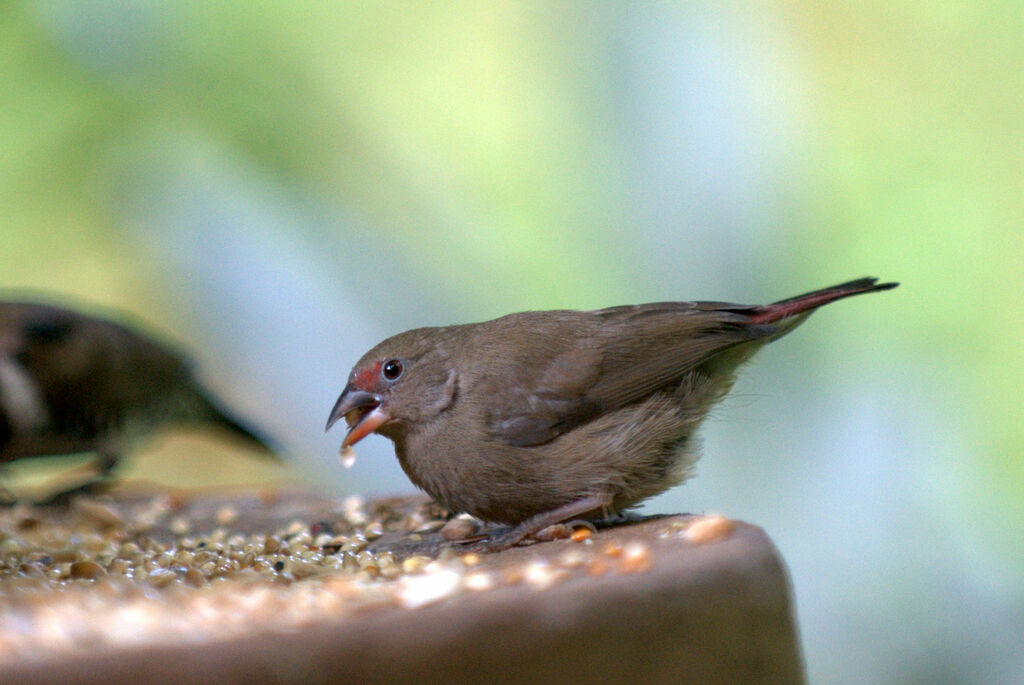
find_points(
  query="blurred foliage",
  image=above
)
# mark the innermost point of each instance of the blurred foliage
(414, 163)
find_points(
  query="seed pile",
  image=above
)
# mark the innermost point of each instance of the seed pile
(161, 570)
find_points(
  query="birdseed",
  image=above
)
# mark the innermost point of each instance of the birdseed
(153, 570)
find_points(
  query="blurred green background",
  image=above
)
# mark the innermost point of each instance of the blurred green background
(279, 186)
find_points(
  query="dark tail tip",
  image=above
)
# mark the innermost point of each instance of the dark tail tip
(262, 445)
(864, 285)
(812, 300)
(255, 439)
(854, 287)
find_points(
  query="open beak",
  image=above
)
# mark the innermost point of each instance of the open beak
(362, 411)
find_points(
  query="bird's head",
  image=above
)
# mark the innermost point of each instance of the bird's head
(50, 343)
(407, 379)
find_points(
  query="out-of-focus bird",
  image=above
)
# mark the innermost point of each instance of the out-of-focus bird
(537, 418)
(73, 383)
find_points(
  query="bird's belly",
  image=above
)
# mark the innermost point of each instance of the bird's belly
(631, 455)
(488, 481)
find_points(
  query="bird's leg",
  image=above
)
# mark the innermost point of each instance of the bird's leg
(539, 522)
(7, 498)
(106, 460)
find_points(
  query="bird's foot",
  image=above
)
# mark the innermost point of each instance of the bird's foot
(498, 542)
(528, 530)
(560, 531)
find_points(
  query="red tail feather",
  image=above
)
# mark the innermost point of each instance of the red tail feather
(809, 301)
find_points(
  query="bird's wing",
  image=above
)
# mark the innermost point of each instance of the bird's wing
(574, 369)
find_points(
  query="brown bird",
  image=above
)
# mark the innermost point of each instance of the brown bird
(72, 383)
(536, 418)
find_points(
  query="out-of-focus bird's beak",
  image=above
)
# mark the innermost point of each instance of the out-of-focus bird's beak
(362, 411)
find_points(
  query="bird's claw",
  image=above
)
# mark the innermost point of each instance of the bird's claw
(560, 531)
(517, 537)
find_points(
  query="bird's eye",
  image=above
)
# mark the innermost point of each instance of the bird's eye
(392, 369)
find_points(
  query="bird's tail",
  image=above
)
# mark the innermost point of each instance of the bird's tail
(808, 302)
(219, 416)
